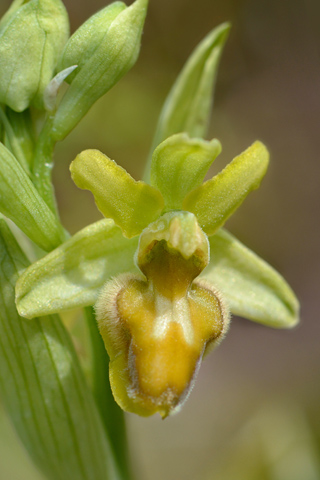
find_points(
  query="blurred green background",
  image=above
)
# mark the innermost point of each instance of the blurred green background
(254, 412)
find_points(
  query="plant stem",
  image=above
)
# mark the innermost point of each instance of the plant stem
(111, 414)
(42, 165)
(14, 144)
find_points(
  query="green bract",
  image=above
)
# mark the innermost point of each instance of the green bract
(188, 104)
(32, 37)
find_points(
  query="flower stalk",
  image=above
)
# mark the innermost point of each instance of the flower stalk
(112, 416)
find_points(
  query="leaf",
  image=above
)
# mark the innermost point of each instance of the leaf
(216, 200)
(132, 205)
(43, 388)
(20, 201)
(179, 164)
(252, 288)
(73, 274)
(188, 105)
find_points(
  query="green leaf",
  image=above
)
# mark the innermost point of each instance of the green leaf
(179, 164)
(43, 388)
(216, 200)
(189, 102)
(31, 39)
(252, 288)
(73, 274)
(132, 205)
(20, 201)
(116, 54)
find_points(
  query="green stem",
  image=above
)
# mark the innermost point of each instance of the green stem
(42, 165)
(14, 144)
(111, 414)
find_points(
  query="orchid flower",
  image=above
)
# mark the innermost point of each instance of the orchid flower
(161, 271)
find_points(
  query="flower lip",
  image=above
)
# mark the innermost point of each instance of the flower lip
(157, 327)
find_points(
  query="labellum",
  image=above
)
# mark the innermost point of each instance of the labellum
(158, 326)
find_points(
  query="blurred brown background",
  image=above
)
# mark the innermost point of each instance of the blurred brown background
(261, 388)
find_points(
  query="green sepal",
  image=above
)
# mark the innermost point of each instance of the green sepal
(216, 200)
(20, 201)
(43, 388)
(179, 164)
(72, 275)
(188, 105)
(31, 40)
(251, 287)
(116, 54)
(131, 204)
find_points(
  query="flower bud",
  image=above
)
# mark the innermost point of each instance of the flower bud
(83, 44)
(157, 327)
(31, 40)
(104, 49)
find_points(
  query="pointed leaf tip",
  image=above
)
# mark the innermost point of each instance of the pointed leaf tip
(188, 105)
